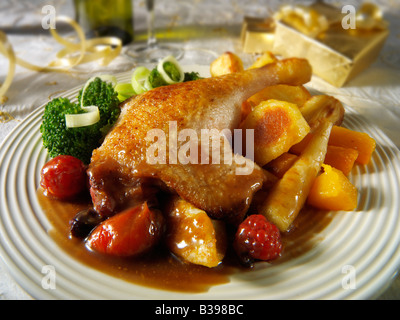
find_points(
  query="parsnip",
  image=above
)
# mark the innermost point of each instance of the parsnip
(322, 107)
(298, 95)
(289, 194)
(277, 126)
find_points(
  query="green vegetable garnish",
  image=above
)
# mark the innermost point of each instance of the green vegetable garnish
(172, 71)
(79, 142)
(191, 76)
(98, 106)
(140, 80)
(124, 90)
(156, 80)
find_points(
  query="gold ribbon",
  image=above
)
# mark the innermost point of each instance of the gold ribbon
(7, 50)
(303, 18)
(312, 23)
(104, 49)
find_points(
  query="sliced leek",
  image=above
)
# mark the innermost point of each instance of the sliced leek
(165, 75)
(91, 116)
(124, 90)
(140, 80)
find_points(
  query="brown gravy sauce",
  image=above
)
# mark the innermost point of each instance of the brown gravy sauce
(162, 270)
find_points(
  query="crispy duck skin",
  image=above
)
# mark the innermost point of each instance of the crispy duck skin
(120, 174)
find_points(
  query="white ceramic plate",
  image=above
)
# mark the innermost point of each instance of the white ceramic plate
(355, 258)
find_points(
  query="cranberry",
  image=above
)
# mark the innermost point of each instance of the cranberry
(84, 222)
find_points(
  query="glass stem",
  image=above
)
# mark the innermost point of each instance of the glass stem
(151, 38)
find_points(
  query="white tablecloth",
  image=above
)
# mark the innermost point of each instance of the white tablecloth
(212, 27)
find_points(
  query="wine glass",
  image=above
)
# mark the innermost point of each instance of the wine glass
(153, 51)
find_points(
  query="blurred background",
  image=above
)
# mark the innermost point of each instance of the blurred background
(175, 20)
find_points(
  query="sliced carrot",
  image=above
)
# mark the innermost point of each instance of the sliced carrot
(341, 158)
(360, 141)
(281, 164)
(345, 138)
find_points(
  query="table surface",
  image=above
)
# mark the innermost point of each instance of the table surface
(204, 29)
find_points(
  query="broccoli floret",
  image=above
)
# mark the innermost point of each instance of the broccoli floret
(79, 142)
(190, 76)
(102, 94)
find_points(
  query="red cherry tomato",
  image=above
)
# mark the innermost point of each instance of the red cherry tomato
(128, 233)
(63, 177)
